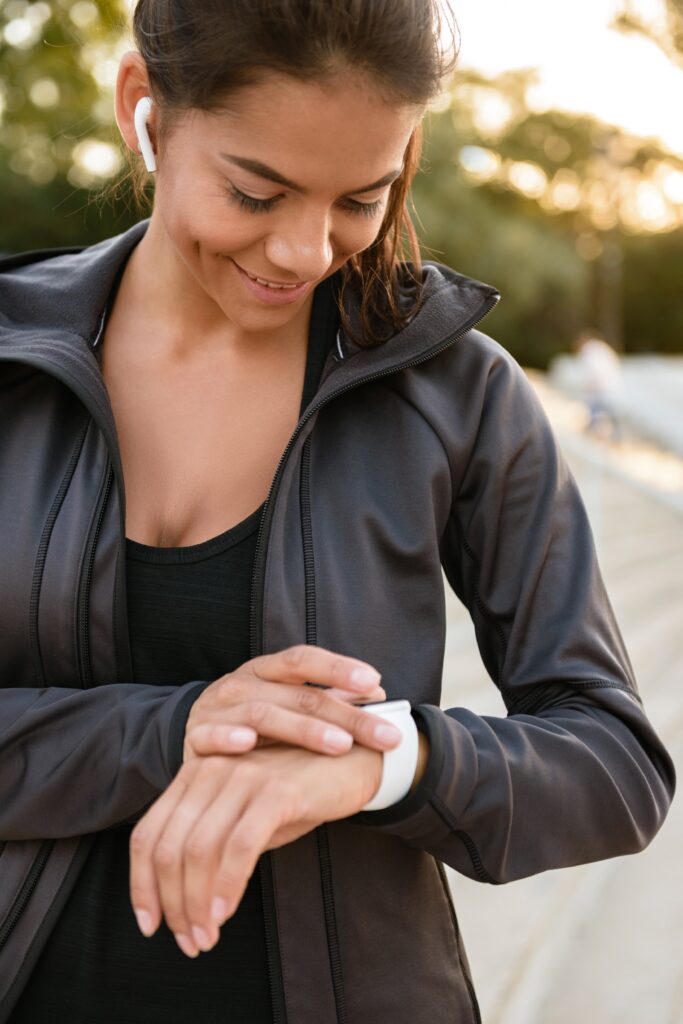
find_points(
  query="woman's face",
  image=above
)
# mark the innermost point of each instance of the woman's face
(286, 186)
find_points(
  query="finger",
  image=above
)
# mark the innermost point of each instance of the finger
(274, 722)
(316, 722)
(172, 852)
(144, 893)
(221, 737)
(316, 705)
(246, 842)
(308, 662)
(205, 848)
(373, 697)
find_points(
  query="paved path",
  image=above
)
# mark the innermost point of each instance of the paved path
(599, 943)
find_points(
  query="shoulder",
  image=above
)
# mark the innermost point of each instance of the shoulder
(62, 288)
(470, 374)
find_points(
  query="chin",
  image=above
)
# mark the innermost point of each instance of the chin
(248, 316)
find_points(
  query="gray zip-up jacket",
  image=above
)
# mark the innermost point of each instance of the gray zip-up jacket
(430, 450)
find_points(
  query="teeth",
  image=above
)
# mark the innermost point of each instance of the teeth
(269, 284)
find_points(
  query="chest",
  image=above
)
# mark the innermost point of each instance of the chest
(200, 439)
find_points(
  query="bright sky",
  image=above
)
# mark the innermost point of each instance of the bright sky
(584, 66)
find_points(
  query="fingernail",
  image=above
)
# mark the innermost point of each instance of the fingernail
(144, 922)
(242, 735)
(186, 946)
(337, 739)
(201, 938)
(386, 733)
(219, 910)
(362, 677)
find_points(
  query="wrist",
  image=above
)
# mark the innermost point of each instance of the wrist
(422, 759)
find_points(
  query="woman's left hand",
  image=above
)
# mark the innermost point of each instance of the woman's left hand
(202, 838)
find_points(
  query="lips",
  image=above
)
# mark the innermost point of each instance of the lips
(273, 293)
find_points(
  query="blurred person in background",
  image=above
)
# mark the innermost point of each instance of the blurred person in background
(240, 444)
(601, 381)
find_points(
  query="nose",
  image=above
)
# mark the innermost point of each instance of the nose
(302, 246)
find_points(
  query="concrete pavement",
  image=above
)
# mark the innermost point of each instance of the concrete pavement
(599, 943)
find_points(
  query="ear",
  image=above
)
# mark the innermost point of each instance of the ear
(132, 83)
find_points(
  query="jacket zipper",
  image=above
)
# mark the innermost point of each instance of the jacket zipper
(83, 614)
(322, 834)
(256, 644)
(85, 672)
(45, 848)
(256, 638)
(26, 890)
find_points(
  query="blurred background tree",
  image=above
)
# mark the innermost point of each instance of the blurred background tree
(667, 32)
(58, 144)
(575, 221)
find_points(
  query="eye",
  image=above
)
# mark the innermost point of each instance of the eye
(254, 205)
(364, 209)
(249, 202)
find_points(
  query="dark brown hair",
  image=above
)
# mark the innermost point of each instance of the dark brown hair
(198, 53)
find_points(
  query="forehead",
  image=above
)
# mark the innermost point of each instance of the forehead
(338, 125)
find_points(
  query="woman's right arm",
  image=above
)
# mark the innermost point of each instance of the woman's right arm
(76, 761)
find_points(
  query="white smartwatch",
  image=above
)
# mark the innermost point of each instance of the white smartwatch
(399, 763)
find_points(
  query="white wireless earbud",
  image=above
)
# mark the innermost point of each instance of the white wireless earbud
(143, 110)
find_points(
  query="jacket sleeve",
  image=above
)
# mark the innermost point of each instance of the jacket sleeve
(575, 772)
(75, 761)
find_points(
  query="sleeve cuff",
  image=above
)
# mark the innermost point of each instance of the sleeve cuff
(176, 729)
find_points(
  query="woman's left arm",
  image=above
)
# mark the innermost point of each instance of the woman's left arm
(201, 839)
(575, 772)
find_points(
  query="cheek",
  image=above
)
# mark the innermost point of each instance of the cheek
(205, 225)
(354, 233)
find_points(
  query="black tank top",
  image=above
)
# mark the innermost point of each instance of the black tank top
(188, 610)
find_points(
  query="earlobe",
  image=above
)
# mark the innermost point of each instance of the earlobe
(143, 110)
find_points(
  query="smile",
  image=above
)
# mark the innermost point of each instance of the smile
(271, 284)
(273, 293)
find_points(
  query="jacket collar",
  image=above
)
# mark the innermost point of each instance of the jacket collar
(52, 305)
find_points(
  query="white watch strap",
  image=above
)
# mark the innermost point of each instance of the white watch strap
(399, 763)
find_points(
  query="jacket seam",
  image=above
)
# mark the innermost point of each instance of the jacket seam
(578, 684)
(444, 814)
(445, 891)
(48, 919)
(420, 412)
(39, 566)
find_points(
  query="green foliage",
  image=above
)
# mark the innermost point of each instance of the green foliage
(545, 260)
(57, 61)
(505, 239)
(653, 311)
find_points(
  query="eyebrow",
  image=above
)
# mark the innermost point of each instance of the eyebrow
(263, 171)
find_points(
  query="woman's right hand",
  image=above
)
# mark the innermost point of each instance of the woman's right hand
(264, 701)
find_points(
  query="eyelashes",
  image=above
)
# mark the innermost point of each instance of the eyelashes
(246, 202)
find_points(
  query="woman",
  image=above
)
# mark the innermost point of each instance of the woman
(309, 428)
